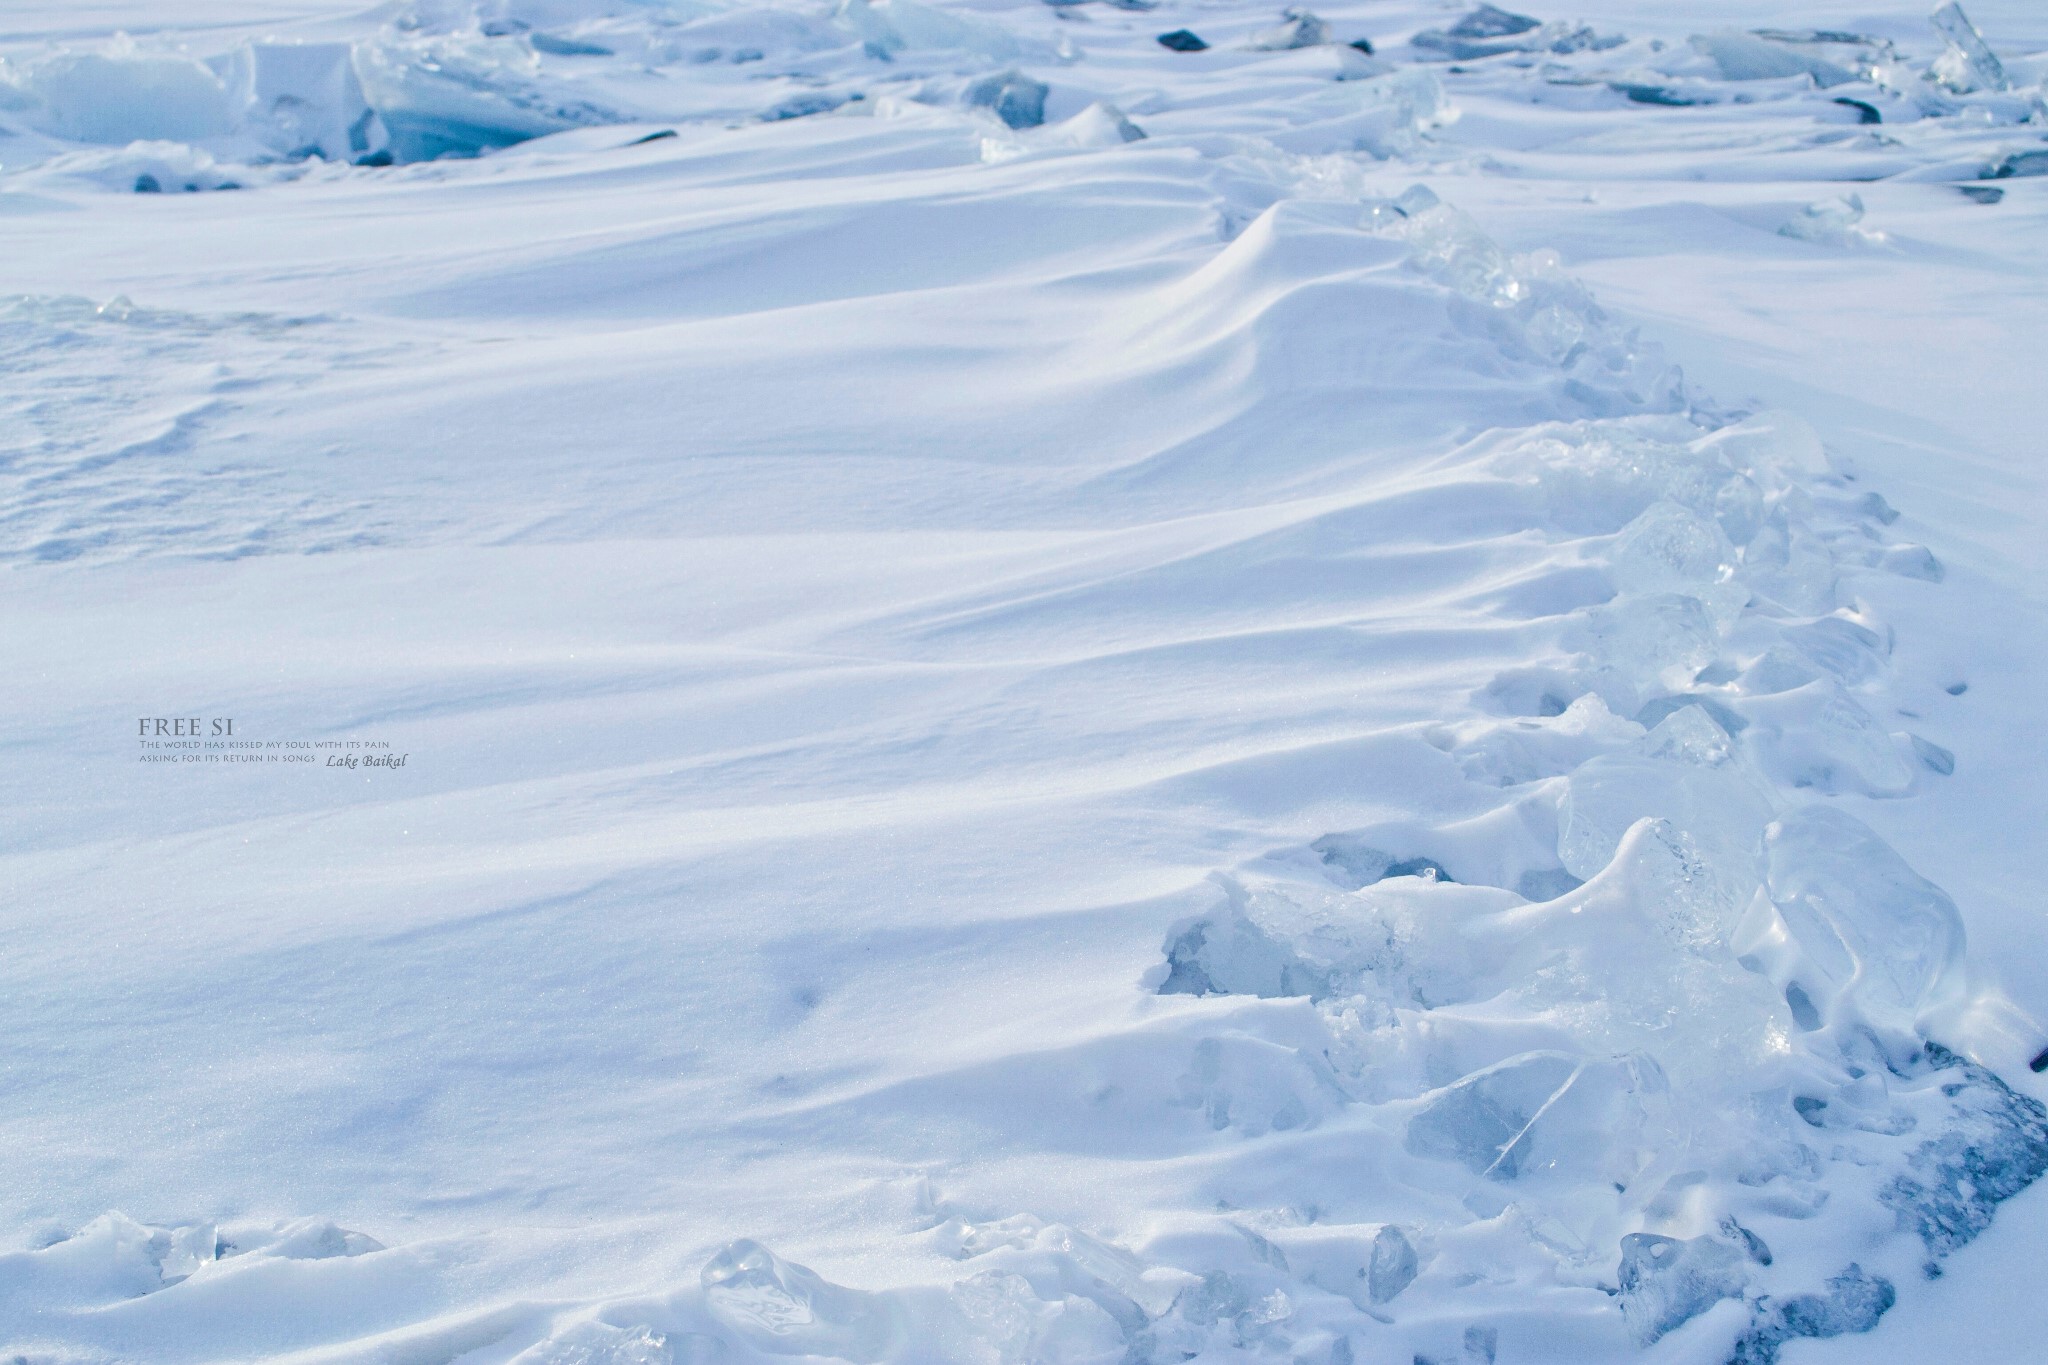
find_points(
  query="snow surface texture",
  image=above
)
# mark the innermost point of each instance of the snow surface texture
(1067, 698)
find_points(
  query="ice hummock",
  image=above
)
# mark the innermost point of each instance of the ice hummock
(458, 96)
(123, 95)
(1587, 1137)
(304, 99)
(1490, 31)
(1722, 1040)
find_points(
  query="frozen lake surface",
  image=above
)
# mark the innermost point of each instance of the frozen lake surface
(1023, 684)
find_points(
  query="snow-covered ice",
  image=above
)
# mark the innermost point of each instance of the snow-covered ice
(1022, 683)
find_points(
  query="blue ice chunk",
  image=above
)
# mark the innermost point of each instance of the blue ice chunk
(1489, 21)
(1995, 1146)
(1666, 1281)
(555, 46)
(1394, 1264)
(1012, 96)
(1476, 1122)
(1854, 1301)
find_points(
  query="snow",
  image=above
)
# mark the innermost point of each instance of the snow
(930, 681)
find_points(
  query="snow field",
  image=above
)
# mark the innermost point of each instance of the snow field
(1171, 752)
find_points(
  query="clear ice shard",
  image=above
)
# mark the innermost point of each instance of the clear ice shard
(1969, 63)
(1669, 548)
(1393, 1266)
(1684, 772)
(1887, 941)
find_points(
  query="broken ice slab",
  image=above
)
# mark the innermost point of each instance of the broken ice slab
(1002, 1308)
(1851, 652)
(555, 46)
(1860, 53)
(2017, 164)
(1996, 1146)
(1666, 1281)
(1478, 34)
(1746, 57)
(1488, 21)
(1479, 1121)
(1596, 485)
(303, 99)
(1854, 1301)
(1639, 92)
(1298, 29)
(1227, 954)
(1969, 64)
(1701, 854)
(1731, 723)
(1358, 864)
(1490, 31)
(1827, 36)
(119, 98)
(1884, 937)
(600, 1343)
(1182, 40)
(1670, 548)
(1682, 772)
(1644, 644)
(1012, 96)
(463, 97)
(1544, 1114)
(789, 1309)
